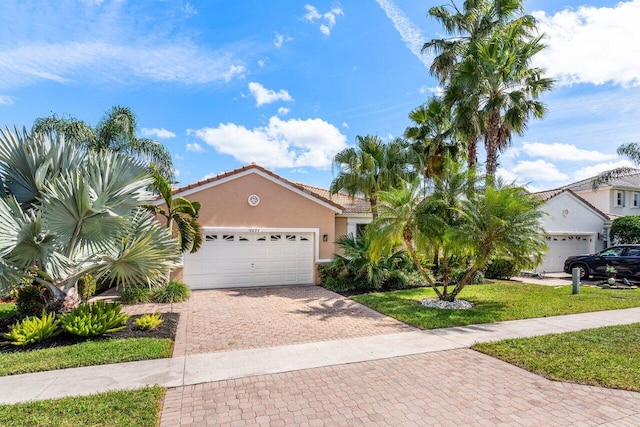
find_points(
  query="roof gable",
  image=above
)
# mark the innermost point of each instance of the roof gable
(265, 173)
(550, 194)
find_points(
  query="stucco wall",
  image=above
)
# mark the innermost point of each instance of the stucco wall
(225, 205)
(600, 198)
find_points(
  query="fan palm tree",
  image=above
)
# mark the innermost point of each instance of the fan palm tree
(370, 167)
(68, 212)
(485, 67)
(116, 131)
(182, 212)
(433, 139)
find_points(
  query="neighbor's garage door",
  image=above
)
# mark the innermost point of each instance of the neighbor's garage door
(561, 247)
(229, 260)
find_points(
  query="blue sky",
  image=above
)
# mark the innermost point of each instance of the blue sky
(288, 84)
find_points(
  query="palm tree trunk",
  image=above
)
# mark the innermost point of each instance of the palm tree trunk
(374, 207)
(412, 254)
(472, 152)
(492, 144)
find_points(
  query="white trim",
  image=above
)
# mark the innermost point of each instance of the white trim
(248, 172)
(323, 261)
(570, 233)
(315, 231)
(352, 224)
(355, 215)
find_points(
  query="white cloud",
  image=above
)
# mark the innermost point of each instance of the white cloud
(176, 172)
(409, 33)
(195, 148)
(161, 133)
(280, 39)
(434, 90)
(566, 152)
(6, 100)
(112, 42)
(283, 111)
(267, 96)
(538, 170)
(594, 170)
(178, 157)
(189, 9)
(345, 125)
(293, 143)
(261, 63)
(328, 18)
(592, 44)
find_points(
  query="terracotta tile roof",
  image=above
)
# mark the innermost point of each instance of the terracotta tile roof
(348, 203)
(307, 189)
(549, 194)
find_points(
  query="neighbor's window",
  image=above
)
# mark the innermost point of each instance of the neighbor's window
(620, 198)
(636, 200)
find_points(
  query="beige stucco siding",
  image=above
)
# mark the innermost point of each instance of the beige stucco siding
(226, 205)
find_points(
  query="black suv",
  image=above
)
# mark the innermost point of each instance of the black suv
(624, 258)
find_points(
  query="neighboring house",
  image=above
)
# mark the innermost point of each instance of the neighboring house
(620, 196)
(261, 229)
(572, 225)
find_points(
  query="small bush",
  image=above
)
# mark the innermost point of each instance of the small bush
(346, 284)
(87, 286)
(397, 279)
(90, 320)
(149, 321)
(174, 291)
(500, 268)
(135, 295)
(34, 329)
(31, 300)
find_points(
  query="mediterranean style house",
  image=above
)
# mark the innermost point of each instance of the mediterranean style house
(262, 229)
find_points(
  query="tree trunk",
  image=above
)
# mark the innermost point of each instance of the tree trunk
(492, 145)
(374, 207)
(412, 254)
(472, 152)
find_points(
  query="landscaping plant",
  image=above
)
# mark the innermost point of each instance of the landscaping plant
(135, 294)
(90, 320)
(149, 321)
(174, 291)
(34, 329)
(31, 300)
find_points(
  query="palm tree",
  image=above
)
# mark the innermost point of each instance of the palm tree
(630, 150)
(182, 212)
(69, 212)
(485, 65)
(370, 167)
(116, 132)
(433, 138)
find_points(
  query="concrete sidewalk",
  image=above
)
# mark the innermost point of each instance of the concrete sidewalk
(203, 368)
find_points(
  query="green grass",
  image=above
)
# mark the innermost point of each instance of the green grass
(133, 408)
(608, 357)
(496, 302)
(88, 353)
(7, 309)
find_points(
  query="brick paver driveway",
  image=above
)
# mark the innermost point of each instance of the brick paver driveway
(449, 388)
(233, 319)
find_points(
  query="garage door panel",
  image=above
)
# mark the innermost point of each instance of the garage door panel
(561, 247)
(251, 259)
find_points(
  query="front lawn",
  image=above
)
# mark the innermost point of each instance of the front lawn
(497, 302)
(98, 352)
(608, 357)
(134, 408)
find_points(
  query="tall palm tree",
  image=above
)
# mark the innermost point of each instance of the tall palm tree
(68, 212)
(370, 167)
(116, 131)
(433, 139)
(182, 212)
(485, 67)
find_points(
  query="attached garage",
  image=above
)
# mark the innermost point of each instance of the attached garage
(572, 226)
(563, 246)
(231, 259)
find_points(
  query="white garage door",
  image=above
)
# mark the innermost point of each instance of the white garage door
(233, 259)
(561, 247)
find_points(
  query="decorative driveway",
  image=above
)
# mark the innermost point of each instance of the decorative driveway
(448, 388)
(234, 319)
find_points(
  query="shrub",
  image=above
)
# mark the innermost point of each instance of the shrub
(90, 320)
(135, 294)
(500, 268)
(346, 284)
(31, 300)
(87, 286)
(149, 321)
(626, 229)
(174, 291)
(34, 329)
(396, 279)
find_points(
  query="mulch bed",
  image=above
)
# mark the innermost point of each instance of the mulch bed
(166, 329)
